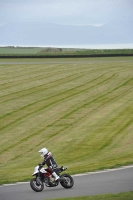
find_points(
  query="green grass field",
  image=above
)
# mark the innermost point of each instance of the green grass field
(82, 111)
(120, 196)
(36, 51)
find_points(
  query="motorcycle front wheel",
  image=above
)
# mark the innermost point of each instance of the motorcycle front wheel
(66, 181)
(36, 186)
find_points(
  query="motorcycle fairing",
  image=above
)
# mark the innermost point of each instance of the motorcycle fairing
(36, 170)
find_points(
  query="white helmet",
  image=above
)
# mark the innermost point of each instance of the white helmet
(43, 152)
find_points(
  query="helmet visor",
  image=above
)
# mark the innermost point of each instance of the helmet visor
(41, 154)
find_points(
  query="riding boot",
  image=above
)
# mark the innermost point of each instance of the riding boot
(55, 176)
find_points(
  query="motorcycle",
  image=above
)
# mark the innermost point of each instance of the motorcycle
(43, 176)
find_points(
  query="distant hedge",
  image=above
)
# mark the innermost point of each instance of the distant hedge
(65, 56)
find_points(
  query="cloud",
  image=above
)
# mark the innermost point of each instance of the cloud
(2, 24)
(65, 12)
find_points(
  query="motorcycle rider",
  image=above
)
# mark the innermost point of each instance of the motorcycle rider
(49, 161)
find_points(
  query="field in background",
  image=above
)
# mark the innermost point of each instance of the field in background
(81, 111)
(49, 51)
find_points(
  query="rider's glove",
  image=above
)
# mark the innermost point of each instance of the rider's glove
(40, 165)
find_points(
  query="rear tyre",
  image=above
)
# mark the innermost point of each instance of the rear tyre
(66, 181)
(35, 186)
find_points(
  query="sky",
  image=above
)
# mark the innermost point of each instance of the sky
(114, 16)
(72, 12)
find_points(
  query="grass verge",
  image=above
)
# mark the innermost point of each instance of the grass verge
(120, 196)
(80, 110)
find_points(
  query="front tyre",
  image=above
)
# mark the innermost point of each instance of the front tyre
(35, 186)
(66, 181)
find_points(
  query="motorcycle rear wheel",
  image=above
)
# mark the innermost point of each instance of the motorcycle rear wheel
(35, 186)
(67, 181)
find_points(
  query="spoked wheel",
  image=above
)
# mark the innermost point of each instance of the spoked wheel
(36, 186)
(66, 181)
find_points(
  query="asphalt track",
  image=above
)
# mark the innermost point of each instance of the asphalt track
(102, 182)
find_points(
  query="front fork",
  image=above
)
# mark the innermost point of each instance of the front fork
(38, 179)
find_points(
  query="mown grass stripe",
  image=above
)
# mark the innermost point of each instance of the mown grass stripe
(39, 88)
(100, 97)
(54, 102)
(116, 130)
(68, 90)
(65, 126)
(51, 74)
(109, 78)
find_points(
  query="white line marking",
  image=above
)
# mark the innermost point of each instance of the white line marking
(84, 174)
